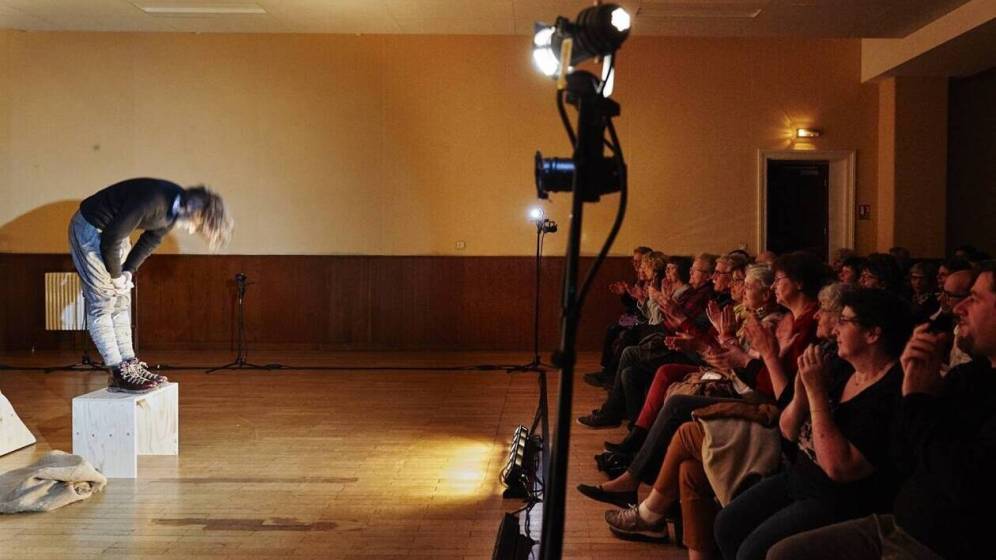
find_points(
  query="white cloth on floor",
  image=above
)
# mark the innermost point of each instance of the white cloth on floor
(56, 480)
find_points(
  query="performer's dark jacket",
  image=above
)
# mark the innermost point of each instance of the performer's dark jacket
(118, 210)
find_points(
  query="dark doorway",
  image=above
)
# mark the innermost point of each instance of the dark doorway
(798, 212)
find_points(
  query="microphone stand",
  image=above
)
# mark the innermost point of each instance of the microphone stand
(242, 345)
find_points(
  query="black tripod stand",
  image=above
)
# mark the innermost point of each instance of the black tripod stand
(242, 345)
(543, 227)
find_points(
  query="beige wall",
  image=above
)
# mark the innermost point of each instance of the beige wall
(408, 144)
(912, 170)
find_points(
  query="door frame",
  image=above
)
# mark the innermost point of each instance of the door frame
(840, 193)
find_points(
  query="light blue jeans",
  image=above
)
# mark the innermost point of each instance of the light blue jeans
(108, 314)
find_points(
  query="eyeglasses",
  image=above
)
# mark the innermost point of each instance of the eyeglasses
(953, 295)
(852, 320)
(778, 279)
(867, 274)
(718, 273)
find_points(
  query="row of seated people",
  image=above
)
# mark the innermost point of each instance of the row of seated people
(778, 414)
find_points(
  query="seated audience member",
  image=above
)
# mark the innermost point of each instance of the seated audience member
(766, 257)
(798, 278)
(686, 289)
(922, 291)
(740, 256)
(903, 258)
(947, 441)
(682, 478)
(965, 252)
(631, 316)
(956, 288)
(722, 276)
(839, 256)
(754, 296)
(881, 271)
(850, 270)
(649, 277)
(950, 265)
(840, 418)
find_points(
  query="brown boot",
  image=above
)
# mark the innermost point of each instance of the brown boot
(144, 371)
(125, 378)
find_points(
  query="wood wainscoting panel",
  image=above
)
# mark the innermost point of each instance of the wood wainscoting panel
(313, 302)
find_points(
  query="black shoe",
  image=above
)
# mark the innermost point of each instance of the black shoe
(599, 420)
(631, 444)
(613, 464)
(595, 379)
(621, 499)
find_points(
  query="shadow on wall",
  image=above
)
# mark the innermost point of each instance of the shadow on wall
(45, 230)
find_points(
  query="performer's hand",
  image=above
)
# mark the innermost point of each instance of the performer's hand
(123, 284)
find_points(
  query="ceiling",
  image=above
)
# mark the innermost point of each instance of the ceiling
(703, 18)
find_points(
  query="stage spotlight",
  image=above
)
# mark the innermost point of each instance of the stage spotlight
(520, 469)
(543, 225)
(543, 56)
(598, 31)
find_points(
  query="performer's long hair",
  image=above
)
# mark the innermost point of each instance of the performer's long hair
(212, 221)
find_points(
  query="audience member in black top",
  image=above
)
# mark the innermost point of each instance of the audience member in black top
(840, 417)
(946, 441)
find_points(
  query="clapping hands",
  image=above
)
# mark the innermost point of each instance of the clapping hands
(723, 319)
(813, 371)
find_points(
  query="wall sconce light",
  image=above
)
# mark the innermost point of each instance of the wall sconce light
(808, 133)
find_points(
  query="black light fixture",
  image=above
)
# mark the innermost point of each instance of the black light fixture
(519, 472)
(598, 31)
(543, 224)
(511, 544)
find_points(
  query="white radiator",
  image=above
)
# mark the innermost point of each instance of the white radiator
(64, 308)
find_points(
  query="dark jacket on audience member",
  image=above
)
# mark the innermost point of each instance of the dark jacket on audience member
(949, 443)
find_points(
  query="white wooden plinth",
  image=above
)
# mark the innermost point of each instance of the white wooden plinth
(13, 433)
(112, 429)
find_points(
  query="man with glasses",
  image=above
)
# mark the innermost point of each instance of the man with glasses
(956, 288)
(947, 442)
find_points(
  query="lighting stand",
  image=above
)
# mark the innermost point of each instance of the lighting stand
(242, 345)
(543, 227)
(594, 114)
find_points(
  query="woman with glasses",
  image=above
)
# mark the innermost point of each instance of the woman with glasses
(839, 417)
(682, 478)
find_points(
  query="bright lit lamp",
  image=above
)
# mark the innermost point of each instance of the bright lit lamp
(598, 31)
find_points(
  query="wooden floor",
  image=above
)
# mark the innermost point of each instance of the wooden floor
(311, 464)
